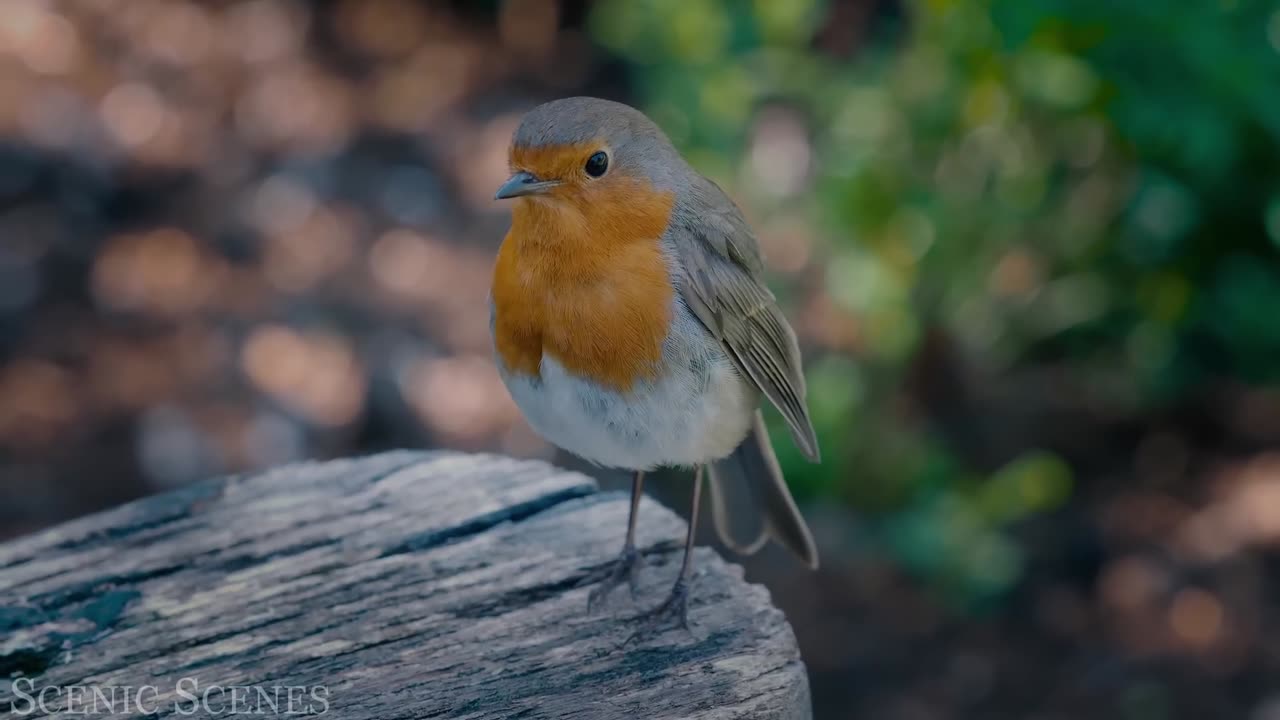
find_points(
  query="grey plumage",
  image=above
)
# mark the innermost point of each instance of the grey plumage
(719, 277)
(750, 502)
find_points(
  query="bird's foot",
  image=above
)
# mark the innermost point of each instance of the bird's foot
(673, 613)
(624, 569)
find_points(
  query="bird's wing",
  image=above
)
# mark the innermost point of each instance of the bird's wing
(719, 279)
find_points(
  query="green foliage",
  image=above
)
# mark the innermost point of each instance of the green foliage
(1086, 183)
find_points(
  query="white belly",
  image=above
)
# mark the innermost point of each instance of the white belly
(696, 412)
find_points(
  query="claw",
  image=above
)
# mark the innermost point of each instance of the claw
(624, 568)
(671, 614)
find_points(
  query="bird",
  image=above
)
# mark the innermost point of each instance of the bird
(633, 328)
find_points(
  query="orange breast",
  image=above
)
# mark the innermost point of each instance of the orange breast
(582, 278)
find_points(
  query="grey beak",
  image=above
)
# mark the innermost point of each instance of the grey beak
(523, 183)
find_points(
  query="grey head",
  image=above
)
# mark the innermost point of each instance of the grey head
(635, 144)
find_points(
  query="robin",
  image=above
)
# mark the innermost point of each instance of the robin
(633, 328)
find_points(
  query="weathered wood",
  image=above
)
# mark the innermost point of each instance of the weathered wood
(407, 585)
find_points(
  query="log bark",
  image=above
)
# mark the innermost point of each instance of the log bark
(402, 585)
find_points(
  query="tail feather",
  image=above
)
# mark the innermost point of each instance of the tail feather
(750, 502)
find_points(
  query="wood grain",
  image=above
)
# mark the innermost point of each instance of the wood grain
(407, 585)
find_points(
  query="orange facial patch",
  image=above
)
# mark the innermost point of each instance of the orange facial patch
(554, 162)
(581, 275)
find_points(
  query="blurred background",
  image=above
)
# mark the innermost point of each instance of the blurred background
(1030, 247)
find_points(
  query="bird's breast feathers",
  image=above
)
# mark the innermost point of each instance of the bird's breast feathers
(587, 284)
(694, 409)
(599, 350)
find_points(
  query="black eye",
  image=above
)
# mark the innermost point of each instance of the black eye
(597, 164)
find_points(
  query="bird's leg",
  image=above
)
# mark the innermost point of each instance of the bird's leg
(675, 609)
(624, 568)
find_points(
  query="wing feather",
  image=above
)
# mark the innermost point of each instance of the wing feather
(720, 282)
